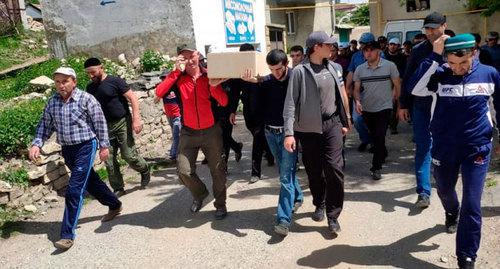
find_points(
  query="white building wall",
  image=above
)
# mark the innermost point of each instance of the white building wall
(209, 29)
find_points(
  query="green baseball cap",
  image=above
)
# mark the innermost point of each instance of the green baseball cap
(459, 42)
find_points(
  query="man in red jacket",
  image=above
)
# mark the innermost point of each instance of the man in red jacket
(199, 130)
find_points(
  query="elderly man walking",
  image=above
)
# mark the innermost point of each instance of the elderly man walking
(81, 129)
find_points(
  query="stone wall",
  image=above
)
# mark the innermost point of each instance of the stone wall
(50, 174)
(126, 26)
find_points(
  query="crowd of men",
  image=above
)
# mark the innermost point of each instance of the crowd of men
(439, 81)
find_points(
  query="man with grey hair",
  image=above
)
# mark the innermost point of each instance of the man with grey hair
(81, 129)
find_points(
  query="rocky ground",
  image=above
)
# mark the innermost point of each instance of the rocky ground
(380, 226)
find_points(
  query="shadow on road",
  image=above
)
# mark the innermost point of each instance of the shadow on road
(399, 251)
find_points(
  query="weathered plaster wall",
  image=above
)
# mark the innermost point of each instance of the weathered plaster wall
(126, 26)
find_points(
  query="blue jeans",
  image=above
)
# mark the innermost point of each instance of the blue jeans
(290, 191)
(423, 141)
(360, 126)
(175, 124)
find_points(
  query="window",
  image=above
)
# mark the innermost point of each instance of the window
(290, 22)
(411, 34)
(417, 5)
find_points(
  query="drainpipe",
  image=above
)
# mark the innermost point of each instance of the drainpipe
(332, 15)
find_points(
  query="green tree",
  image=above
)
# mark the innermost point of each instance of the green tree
(361, 16)
(491, 6)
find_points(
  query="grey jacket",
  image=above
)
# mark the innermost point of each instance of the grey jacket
(302, 111)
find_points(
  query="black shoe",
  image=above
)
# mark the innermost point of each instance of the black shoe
(198, 203)
(371, 149)
(205, 161)
(423, 201)
(451, 223)
(318, 214)
(120, 192)
(394, 131)
(376, 175)
(362, 147)
(145, 179)
(237, 153)
(465, 263)
(220, 213)
(333, 226)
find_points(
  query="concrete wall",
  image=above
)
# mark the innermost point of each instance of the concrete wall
(389, 10)
(208, 21)
(127, 26)
(307, 20)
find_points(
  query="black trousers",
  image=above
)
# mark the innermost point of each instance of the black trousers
(259, 143)
(393, 124)
(322, 157)
(227, 138)
(377, 123)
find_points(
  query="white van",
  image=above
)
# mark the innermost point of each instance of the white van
(403, 30)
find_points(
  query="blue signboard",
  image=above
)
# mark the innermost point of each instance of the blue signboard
(239, 21)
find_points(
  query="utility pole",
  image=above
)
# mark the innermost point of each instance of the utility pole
(332, 16)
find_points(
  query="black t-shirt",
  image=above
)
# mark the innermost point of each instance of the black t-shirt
(274, 94)
(109, 93)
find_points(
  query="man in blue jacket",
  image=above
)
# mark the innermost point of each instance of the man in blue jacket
(434, 25)
(461, 130)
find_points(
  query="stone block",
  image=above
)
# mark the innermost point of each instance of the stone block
(16, 192)
(5, 186)
(43, 82)
(4, 198)
(60, 182)
(50, 147)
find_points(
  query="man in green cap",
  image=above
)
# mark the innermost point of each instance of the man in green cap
(461, 130)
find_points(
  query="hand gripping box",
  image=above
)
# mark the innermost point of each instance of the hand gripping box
(233, 64)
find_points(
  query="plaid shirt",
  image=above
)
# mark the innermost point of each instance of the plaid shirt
(78, 120)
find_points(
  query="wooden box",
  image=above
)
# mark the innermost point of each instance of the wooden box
(233, 64)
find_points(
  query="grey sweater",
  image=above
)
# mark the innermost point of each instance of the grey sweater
(302, 111)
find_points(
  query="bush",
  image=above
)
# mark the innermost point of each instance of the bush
(18, 126)
(15, 176)
(362, 15)
(42, 69)
(151, 61)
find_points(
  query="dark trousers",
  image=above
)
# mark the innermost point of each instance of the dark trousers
(227, 138)
(259, 148)
(210, 142)
(79, 159)
(473, 161)
(377, 123)
(393, 124)
(322, 157)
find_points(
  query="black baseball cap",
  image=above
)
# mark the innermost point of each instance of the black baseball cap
(319, 37)
(434, 20)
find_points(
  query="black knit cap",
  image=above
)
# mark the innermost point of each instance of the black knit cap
(91, 62)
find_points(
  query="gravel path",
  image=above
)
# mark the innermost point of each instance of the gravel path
(380, 226)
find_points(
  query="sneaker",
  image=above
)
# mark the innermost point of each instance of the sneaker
(394, 131)
(254, 179)
(205, 161)
(423, 201)
(376, 175)
(451, 223)
(198, 203)
(333, 226)
(64, 244)
(111, 214)
(282, 229)
(238, 154)
(362, 147)
(296, 206)
(318, 214)
(465, 263)
(145, 179)
(220, 213)
(120, 192)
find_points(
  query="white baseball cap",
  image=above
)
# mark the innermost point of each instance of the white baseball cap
(394, 40)
(68, 71)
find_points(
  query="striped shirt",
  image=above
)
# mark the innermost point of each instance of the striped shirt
(78, 120)
(376, 85)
